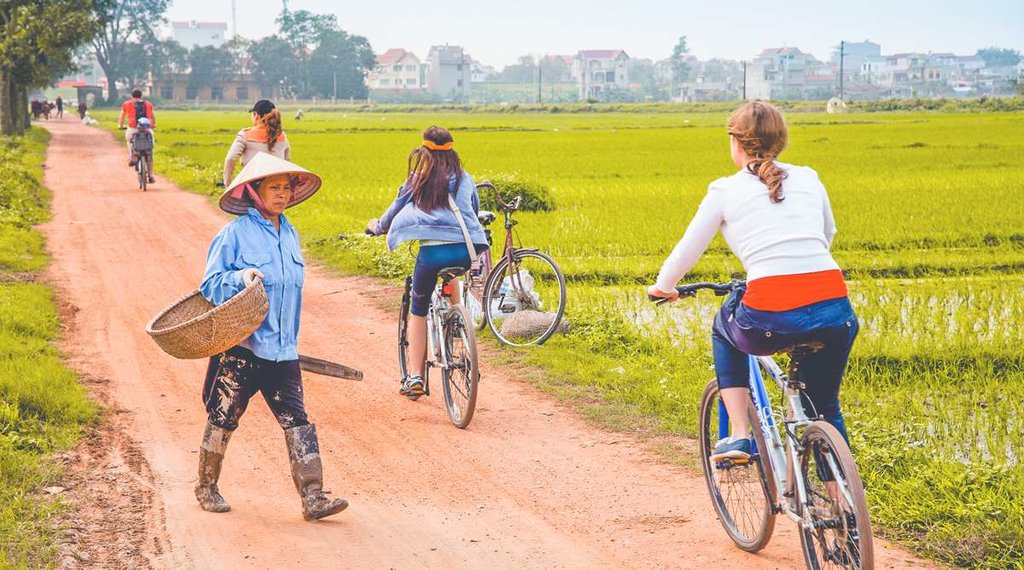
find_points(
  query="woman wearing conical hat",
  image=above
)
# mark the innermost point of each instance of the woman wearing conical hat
(261, 244)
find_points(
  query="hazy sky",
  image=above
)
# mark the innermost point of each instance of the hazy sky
(496, 33)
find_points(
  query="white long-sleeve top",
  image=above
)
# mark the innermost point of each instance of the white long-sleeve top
(784, 238)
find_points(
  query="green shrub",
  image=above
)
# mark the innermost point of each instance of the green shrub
(536, 197)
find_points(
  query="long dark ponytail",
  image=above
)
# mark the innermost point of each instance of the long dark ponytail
(431, 168)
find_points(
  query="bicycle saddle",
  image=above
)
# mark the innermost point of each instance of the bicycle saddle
(449, 273)
(486, 217)
(802, 349)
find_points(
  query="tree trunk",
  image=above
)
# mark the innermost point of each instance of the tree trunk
(21, 104)
(11, 120)
(112, 96)
(5, 105)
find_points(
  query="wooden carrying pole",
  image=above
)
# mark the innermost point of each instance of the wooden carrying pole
(328, 368)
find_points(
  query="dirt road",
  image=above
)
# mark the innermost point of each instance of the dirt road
(527, 485)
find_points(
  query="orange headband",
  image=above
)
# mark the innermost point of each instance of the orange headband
(434, 146)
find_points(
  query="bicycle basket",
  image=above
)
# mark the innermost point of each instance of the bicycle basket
(192, 327)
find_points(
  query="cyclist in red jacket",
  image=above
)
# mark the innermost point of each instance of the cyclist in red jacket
(131, 111)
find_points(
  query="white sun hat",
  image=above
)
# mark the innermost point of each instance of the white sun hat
(304, 182)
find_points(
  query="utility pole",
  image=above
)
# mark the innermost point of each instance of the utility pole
(540, 75)
(744, 81)
(234, 20)
(335, 97)
(842, 56)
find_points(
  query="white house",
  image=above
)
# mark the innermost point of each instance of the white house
(396, 69)
(600, 70)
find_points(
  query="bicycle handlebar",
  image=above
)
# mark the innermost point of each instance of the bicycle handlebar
(510, 206)
(690, 290)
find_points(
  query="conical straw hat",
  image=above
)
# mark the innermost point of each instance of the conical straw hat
(304, 182)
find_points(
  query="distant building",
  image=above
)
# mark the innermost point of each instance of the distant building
(778, 73)
(601, 70)
(192, 33)
(854, 56)
(397, 69)
(478, 72)
(449, 72)
(238, 88)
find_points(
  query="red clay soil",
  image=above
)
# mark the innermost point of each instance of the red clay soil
(528, 485)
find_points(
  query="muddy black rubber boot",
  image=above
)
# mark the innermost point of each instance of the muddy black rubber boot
(211, 456)
(308, 473)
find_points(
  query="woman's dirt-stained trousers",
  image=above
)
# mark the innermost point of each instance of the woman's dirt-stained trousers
(235, 376)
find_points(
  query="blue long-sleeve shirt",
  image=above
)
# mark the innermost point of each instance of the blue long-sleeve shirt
(403, 221)
(252, 241)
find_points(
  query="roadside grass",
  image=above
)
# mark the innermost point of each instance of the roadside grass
(930, 234)
(42, 406)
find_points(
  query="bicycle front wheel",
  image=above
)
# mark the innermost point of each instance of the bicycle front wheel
(840, 533)
(461, 374)
(740, 492)
(525, 299)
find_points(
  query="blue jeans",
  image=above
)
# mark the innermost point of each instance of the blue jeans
(429, 263)
(740, 330)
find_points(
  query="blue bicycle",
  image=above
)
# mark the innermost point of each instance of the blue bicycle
(805, 471)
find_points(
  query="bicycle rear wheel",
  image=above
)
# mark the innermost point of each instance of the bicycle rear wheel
(740, 492)
(142, 168)
(525, 299)
(403, 329)
(841, 533)
(462, 374)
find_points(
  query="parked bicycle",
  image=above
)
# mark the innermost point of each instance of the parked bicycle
(451, 346)
(522, 297)
(806, 471)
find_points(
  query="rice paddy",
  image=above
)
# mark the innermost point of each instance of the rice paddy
(930, 211)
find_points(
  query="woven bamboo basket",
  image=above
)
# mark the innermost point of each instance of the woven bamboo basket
(193, 328)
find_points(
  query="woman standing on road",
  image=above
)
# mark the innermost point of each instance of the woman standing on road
(422, 213)
(261, 244)
(265, 135)
(777, 219)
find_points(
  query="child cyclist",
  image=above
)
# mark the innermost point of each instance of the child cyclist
(141, 142)
(421, 212)
(777, 219)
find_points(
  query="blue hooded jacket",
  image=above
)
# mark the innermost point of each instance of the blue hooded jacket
(403, 221)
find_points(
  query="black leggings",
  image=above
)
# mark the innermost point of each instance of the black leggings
(235, 376)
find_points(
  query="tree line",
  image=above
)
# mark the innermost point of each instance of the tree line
(42, 40)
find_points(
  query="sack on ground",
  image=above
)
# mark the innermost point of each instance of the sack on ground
(529, 323)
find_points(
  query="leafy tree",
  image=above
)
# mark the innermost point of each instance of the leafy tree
(523, 71)
(209, 65)
(995, 56)
(302, 30)
(681, 66)
(273, 62)
(340, 61)
(555, 70)
(125, 25)
(38, 39)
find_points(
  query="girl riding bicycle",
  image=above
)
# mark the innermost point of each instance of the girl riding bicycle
(422, 212)
(777, 219)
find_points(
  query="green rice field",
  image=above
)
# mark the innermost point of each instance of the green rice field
(930, 211)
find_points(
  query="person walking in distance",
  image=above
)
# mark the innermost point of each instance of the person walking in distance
(265, 135)
(261, 244)
(131, 111)
(60, 107)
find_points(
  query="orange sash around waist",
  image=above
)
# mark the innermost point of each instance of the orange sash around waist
(785, 292)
